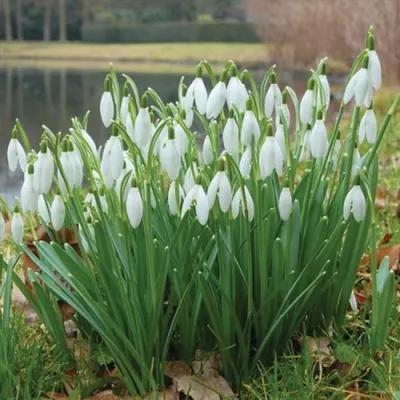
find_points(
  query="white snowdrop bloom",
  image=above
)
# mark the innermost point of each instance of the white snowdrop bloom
(216, 100)
(374, 66)
(44, 209)
(368, 127)
(134, 206)
(284, 109)
(245, 163)
(2, 227)
(306, 104)
(336, 152)
(17, 226)
(16, 154)
(220, 187)
(29, 197)
(280, 139)
(77, 166)
(353, 302)
(163, 136)
(208, 154)
(250, 126)
(285, 204)
(305, 151)
(57, 212)
(230, 136)
(172, 197)
(124, 109)
(107, 105)
(112, 160)
(44, 170)
(189, 180)
(126, 170)
(319, 138)
(238, 204)
(130, 128)
(356, 162)
(181, 138)
(90, 142)
(236, 93)
(143, 128)
(273, 98)
(198, 198)
(198, 91)
(170, 156)
(358, 85)
(270, 157)
(103, 202)
(355, 204)
(326, 90)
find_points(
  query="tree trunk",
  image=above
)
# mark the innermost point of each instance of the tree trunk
(62, 20)
(20, 21)
(7, 19)
(47, 21)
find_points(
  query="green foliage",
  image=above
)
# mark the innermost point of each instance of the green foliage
(203, 31)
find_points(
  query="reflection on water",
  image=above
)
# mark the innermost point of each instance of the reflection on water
(53, 97)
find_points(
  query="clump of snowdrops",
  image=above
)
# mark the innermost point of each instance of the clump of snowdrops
(233, 247)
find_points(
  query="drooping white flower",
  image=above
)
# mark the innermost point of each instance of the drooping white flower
(250, 127)
(238, 204)
(319, 138)
(270, 157)
(245, 163)
(130, 128)
(77, 166)
(161, 140)
(16, 154)
(181, 138)
(374, 66)
(2, 227)
(89, 140)
(355, 204)
(280, 139)
(112, 160)
(368, 127)
(190, 181)
(353, 302)
(305, 151)
(175, 190)
(134, 206)
(326, 90)
(127, 169)
(124, 110)
(220, 187)
(198, 198)
(198, 91)
(17, 225)
(236, 93)
(44, 209)
(216, 100)
(208, 154)
(107, 105)
(186, 103)
(230, 136)
(306, 104)
(358, 85)
(170, 156)
(29, 197)
(285, 204)
(273, 98)
(356, 162)
(143, 128)
(57, 212)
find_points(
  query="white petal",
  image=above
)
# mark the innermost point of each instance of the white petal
(143, 127)
(2, 228)
(89, 141)
(116, 157)
(250, 128)
(348, 201)
(202, 207)
(319, 140)
(353, 302)
(350, 88)
(250, 204)
(224, 193)
(358, 204)
(43, 211)
(21, 156)
(107, 109)
(134, 207)
(216, 100)
(237, 198)
(375, 70)
(285, 204)
(368, 97)
(236, 94)
(130, 128)
(189, 181)
(270, 158)
(17, 227)
(172, 205)
(245, 163)
(356, 163)
(230, 136)
(57, 213)
(213, 189)
(187, 202)
(327, 90)
(200, 95)
(170, 159)
(181, 139)
(306, 105)
(280, 139)
(12, 155)
(124, 110)
(208, 155)
(361, 88)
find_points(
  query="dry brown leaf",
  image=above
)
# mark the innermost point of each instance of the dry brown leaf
(56, 396)
(174, 369)
(169, 394)
(319, 348)
(393, 252)
(387, 238)
(106, 395)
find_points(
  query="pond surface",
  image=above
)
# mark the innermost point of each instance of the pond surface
(53, 97)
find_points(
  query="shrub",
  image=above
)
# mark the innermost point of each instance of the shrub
(179, 32)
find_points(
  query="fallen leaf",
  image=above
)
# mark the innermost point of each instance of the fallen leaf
(106, 395)
(393, 252)
(387, 238)
(319, 348)
(169, 394)
(56, 396)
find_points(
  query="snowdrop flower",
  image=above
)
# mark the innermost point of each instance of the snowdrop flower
(17, 225)
(186, 103)
(57, 212)
(77, 166)
(217, 98)
(198, 198)
(236, 93)
(172, 197)
(319, 138)
(220, 187)
(336, 151)
(107, 104)
(208, 154)
(358, 85)
(124, 110)
(284, 110)
(198, 91)
(181, 137)
(245, 163)
(239, 203)
(89, 141)
(355, 204)
(29, 197)
(134, 205)
(130, 128)
(170, 156)
(127, 169)
(16, 154)
(113, 159)
(306, 104)
(326, 89)
(280, 139)
(273, 98)
(353, 302)
(44, 210)
(44, 170)
(285, 204)
(270, 155)
(368, 127)
(143, 128)
(305, 151)
(2, 227)
(230, 136)
(356, 162)
(250, 127)
(189, 181)
(68, 168)
(374, 66)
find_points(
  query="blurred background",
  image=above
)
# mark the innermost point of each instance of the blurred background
(54, 53)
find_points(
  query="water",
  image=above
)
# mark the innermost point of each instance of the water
(53, 97)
